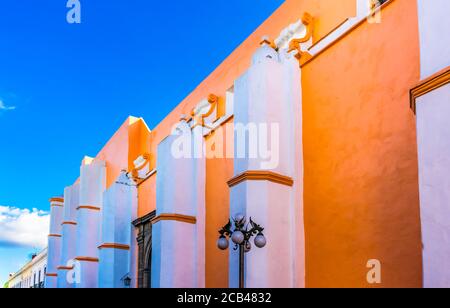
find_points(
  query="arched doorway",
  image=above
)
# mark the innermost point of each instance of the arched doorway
(144, 240)
(147, 273)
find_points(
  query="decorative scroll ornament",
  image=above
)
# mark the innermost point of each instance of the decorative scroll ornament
(141, 167)
(213, 101)
(206, 108)
(295, 44)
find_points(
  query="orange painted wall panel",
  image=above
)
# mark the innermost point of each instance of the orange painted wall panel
(361, 179)
(218, 172)
(140, 138)
(115, 153)
(130, 141)
(147, 197)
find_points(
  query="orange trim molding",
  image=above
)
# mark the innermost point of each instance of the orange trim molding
(426, 86)
(87, 259)
(65, 268)
(69, 223)
(88, 207)
(329, 33)
(58, 199)
(114, 246)
(54, 235)
(175, 217)
(261, 176)
(51, 275)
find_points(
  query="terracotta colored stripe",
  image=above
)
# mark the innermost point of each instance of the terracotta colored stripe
(114, 246)
(432, 83)
(51, 275)
(261, 176)
(54, 235)
(65, 268)
(57, 199)
(69, 223)
(175, 217)
(87, 259)
(88, 207)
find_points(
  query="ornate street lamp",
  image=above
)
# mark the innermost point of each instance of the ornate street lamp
(241, 236)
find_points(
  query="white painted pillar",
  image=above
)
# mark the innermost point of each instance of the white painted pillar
(54, 241)
(433, 135)
(178, 230)
(119, 206)
(434, 27)
(69, 232)
(92, 187)
(198, 186)
(433, 138)
(268, 99)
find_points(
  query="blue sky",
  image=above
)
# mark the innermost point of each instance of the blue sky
(65, 88)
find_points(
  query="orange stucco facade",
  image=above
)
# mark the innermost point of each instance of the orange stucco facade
(361, 177)
(361, 198)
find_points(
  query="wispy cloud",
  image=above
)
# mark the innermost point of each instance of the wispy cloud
(4, 107)
(23, 227)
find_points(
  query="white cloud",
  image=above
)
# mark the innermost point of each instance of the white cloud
(23, 227)
(4, 107)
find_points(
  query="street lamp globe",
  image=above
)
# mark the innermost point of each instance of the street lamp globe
(238, 237)
(223, 243)
(240, 218)
(260, 241)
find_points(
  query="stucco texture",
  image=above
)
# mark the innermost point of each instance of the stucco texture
(361, 197)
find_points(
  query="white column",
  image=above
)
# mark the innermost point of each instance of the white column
(69, 232)
(119, 206)
(92, 187)
(178, 230)
(270, 190)
(434, 25)
(433, 138)
(198, 185)
(54, 241)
